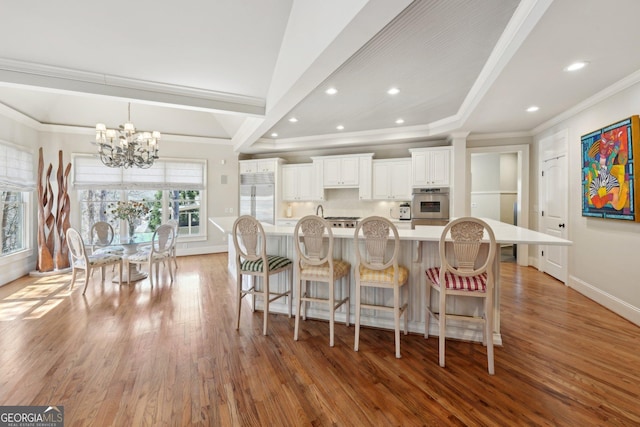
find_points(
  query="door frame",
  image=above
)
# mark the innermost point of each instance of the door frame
(522, 151)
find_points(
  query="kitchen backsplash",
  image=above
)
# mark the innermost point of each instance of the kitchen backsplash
(343, 202)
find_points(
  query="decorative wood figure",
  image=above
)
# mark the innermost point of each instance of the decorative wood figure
(45, 257)
(53, 252)
(62, 217)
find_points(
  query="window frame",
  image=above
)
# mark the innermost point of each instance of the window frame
(163, 176)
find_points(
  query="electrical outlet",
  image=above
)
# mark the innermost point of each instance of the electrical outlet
(230, 210)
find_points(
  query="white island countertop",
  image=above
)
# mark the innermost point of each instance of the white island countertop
(505, 233)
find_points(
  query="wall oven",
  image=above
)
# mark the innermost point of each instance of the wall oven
(430, 206)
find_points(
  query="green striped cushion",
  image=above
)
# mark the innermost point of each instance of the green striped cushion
(275, 262)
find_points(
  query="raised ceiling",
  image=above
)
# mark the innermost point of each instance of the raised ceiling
(237, 71)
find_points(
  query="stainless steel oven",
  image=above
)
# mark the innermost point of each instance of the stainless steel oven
(430, 206)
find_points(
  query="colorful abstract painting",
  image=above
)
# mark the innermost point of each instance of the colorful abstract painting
(608, 171)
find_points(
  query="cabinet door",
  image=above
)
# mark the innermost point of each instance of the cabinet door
(304, 180)
(381, 180)
(266, 165)
(331, 169)
(420, 169)
(289, 190)
(247, 166)
(439, 168)
(400, 180)
(350, 171)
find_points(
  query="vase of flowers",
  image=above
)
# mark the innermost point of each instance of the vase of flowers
(131, 212)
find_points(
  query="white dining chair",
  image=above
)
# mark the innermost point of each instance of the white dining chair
(81, 260)
(161, 244)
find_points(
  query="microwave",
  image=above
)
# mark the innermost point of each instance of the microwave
(430, 203)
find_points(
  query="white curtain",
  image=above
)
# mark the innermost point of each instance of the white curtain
(165, 174)
(16, 168)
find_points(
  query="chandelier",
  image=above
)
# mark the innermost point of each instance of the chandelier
(124, 147)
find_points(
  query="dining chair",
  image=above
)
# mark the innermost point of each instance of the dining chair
(462, 272)
(101, 237)
(313, 241)
(378, 268)
(81, 260)
(174, 224)
(161, 244)
(253, 261)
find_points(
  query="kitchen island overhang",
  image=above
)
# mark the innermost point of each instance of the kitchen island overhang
(419, 250)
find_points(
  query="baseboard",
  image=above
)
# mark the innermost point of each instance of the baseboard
(614, 304)
(202, 250)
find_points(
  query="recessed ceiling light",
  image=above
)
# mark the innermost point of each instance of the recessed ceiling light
(393, 91)
(293, 120)
(399, 121)
(576, 66)
(331, 91)
(274, 134)
(533, 109)
(339, 127)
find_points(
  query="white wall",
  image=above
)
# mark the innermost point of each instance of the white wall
(18, 133)
(603, 261)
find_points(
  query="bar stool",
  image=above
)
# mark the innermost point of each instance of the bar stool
(315, 263)
(373, 271)
(463, 238)
(252, 260)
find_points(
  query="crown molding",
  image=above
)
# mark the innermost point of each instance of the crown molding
(499, 135)
(619, 86)
(67, 80)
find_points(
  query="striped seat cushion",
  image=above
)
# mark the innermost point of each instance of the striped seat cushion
(386, 275)
(340, 268)
(275, 262)
(458, 283)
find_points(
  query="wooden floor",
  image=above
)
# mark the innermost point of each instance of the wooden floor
(134, 356)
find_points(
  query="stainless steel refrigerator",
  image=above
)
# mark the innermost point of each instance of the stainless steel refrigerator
(257, 196)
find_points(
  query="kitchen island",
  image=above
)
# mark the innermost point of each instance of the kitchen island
(419, 250)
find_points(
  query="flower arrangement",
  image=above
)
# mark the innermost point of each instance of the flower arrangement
(129, 211)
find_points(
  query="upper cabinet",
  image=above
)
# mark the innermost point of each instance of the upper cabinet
(392, 179)
(298, 183)
(431, 167)
(341, 171)
(259, 165)
(347, 171)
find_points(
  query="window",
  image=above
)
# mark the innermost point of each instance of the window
(13, 221)
(171, 188)
(16, 183)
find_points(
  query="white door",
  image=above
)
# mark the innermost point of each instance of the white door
(553, 204)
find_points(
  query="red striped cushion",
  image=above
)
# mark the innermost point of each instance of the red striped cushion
(458, 283)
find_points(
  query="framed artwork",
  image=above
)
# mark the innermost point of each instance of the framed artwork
(608, 171)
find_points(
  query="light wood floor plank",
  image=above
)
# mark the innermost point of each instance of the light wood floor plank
(170, 355)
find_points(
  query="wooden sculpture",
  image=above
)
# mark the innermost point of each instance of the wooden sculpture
(45, 254)
(52, 224)
(62, 218)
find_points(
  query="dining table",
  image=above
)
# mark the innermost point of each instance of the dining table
(131, 245)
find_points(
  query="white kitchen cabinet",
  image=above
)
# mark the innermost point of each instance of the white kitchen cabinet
(392, 179)
(298, 182)
(341, 171)
(258, 165)
(430, 167)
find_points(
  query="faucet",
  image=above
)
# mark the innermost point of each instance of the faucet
(321, 209)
